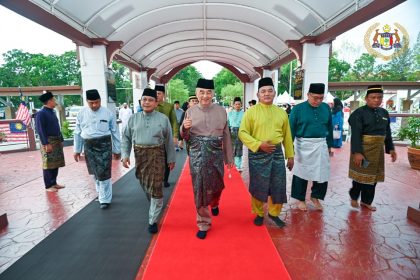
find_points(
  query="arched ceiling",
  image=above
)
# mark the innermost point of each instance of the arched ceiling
(163, 34)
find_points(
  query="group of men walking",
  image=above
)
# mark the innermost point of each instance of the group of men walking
(301, 142)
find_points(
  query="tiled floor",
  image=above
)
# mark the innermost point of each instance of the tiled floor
(346, 243)
(338, 243)
(32, 212)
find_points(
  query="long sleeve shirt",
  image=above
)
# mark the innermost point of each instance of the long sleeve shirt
(47, 124)
(266, 123)
(93, 124)
(178, 113)
(148, 129)
(169, 110)
(369, 121)
(210, 121)
(234, 118)
(125, 114)
(337, 120)
(307, 121)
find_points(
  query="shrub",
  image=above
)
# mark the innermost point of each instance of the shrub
(411, 132)
(66, 131)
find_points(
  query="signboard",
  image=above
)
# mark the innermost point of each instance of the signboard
(110, 85)
(297, 94)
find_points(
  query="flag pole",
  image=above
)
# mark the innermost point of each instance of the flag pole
(22, 100)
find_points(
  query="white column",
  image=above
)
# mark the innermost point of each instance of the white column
(93, 66)
(315, 62)
(273, 74)
(250, 93)
(139, 84)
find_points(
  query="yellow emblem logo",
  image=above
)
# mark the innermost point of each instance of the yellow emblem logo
(19, 126)
(386, 42)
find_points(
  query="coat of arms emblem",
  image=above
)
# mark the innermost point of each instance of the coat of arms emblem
(387, 42)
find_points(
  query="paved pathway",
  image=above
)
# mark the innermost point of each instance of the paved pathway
(346, 243)
(32, 212)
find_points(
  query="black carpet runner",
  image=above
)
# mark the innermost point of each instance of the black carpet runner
(95, 243)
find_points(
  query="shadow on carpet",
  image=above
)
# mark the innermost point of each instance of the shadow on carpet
(95, 243)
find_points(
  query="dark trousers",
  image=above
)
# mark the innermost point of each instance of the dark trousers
(367, 191)
(299, 185)
(50, 177)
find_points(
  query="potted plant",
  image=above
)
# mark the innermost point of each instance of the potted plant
(412, 132)
(2, 136)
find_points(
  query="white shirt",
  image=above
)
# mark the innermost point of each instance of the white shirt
(125, 114)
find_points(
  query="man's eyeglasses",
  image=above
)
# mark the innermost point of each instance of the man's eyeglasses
(317, 98)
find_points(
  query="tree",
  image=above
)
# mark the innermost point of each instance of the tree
(123, 83)
(338, 69)
(229, 92)
(222, 79)
(26, 70)
(189, 75)
(415, 76)
(397, 69)
(284, 77)
(176, 90)
(362, 69)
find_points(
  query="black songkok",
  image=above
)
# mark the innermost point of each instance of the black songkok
(206, 84)
(150, 92)
(265, 82)
(92, 94)
(317, 88)
(374, 89)
(45, 97)
(237, 99)
(160, 88)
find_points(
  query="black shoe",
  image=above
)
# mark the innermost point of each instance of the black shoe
(153, 228)
(104, 205)
(258, 221)
(277, 221)
(201, 234)
(215, 211)
(166, 185)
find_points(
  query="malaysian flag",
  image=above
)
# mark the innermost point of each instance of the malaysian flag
(23, 112)
(14, 131)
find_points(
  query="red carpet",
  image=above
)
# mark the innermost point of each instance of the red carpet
(234, 248)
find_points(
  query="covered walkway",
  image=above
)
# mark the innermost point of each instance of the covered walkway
(253, 39)
(339, 243)
(157, 39)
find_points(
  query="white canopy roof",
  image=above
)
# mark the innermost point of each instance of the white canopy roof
(164, 34)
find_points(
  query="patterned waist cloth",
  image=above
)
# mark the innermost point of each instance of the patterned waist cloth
(55, 158)
(373, 151)
(207, 169)
(98, 152)
(150, 168)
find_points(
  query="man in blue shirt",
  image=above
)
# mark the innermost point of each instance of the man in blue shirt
(97, 129)
(51, 142)
(234, 122)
